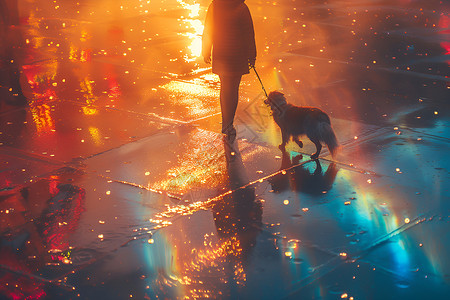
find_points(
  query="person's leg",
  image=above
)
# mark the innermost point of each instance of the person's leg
(229, 97)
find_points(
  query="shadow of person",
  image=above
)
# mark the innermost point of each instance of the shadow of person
(300, 179)
(238, 217)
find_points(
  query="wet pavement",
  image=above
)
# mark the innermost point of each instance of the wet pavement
(115, 182)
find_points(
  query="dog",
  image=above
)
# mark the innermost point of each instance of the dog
(295, 121)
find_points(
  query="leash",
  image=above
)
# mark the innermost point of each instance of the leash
(260, 81)
(267, 96)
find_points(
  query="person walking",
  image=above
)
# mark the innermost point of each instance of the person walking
(229, 35)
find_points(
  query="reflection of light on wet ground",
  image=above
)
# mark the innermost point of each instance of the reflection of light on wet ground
(184, 268)
(86, 86)
(95, 134)
(192, 96)
(200, 167)
(114, 91)
(210, 78)
(196, 167)
(83, 55)
(42, 81)
(42, 117)
(187, 173)
(374, 211)
(444, 23)
(196, 26)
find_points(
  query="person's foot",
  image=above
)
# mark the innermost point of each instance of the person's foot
(230, 147)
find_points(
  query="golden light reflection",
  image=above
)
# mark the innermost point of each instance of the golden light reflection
(84, 35)
(95, 134)
(86, 86)
(210, 78)
(73, 53)
(37, 41)
(200, 167)
(199, 99)
(196, 168)
(209, 266)
(89, 111)
(41, 80)
(42, 117)
(221, 260)
(196, 27)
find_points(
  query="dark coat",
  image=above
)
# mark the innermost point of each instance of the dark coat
(229, 32)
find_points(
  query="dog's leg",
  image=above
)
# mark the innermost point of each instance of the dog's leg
(318, 148)
(297, 140)
(285, 139)
(318, 168)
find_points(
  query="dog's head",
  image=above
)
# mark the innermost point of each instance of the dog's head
(275, 100)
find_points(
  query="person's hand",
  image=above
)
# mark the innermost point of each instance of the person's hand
(207, 59)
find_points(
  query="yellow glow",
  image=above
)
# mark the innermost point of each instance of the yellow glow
(193, 97)
(222, 258)
(194, 170)
(42, 117)
(89, 111)
(73, 53)
(84, 35)
(196, 26)
(196, 37)
(95, 133)
(87, 88)
(210, 77)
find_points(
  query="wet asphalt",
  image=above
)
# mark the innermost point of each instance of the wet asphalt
(115, 182)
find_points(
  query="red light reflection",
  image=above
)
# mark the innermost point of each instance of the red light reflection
(444, 22)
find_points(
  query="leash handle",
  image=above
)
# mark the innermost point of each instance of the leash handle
(260, 81)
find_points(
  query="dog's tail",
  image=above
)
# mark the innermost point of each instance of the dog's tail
(327, 136)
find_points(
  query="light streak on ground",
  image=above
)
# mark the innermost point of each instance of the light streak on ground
(204, 205)
(196, 27)
(193, 97)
